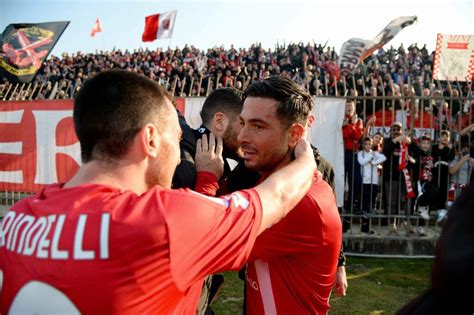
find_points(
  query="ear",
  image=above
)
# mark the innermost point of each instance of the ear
(150, 140)
(219, 122)
(295, 133)
(310, 120)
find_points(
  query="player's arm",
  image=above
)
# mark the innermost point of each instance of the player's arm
(282, 190)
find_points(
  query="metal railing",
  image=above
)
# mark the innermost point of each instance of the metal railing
(402, 222)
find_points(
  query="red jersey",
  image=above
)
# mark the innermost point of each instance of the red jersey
(95, 249)
(351, 134)
(294, 262)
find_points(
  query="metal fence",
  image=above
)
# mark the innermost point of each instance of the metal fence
(392, 215)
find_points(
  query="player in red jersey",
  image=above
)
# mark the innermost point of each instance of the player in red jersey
(116, 239)
(293, 263)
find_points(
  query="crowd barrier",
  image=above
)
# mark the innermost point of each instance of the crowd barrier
(38, 146)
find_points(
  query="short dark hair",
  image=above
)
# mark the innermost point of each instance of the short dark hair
(225, 100)
(367, 139)
(444, 132)
(425, 138)
(111, 108)
(295, 103)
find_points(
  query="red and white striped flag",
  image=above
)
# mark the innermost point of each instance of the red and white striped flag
(159, 26)
(96, 28)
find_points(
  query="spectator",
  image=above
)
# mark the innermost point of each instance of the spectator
(426, 188)
(460, 170)
(369, 161)
(395, 182)
(352, 130)
(443, 154)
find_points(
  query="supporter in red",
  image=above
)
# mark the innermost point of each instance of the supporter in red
(352, 131)
(116, 239)
(293, 264)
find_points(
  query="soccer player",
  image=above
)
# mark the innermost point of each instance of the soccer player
(293, 264)
(116, 239)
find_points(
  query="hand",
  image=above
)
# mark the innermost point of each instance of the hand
(465, 158)
(354, 118)
(398, 139)
(371, 120)
(345, 122)
(209, 156)
(340, 283)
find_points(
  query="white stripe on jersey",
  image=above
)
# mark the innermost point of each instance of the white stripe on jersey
(265, 285)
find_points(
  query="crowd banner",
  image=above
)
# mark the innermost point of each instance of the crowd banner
(351, 53)
(38, 145)
(454, 58)
(355, 50)
(326, 135)
(388, 33)
(423, 124)
(24, 47)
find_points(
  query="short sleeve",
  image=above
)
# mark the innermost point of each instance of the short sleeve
(209, 235)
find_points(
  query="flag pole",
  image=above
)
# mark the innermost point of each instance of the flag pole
(103, 41)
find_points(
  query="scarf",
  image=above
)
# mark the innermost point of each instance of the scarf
(402, 166)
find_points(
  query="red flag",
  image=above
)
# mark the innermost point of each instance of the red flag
(96, 28)
(159, 26)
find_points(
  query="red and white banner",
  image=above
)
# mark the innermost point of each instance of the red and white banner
(454, 58)
(425, 123)
(355, 50)
(38, 144)
(96, 28)
(388, 33)
(159, 26)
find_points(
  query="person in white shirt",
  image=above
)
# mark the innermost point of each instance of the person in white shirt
(369, 161)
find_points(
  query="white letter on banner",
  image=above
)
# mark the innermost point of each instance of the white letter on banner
(11, 117)
(46, 148)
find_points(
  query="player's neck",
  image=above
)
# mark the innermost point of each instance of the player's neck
(120, 176)
(285, 161)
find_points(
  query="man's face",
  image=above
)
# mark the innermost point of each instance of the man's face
(263, 138)
(161, 169)
(425, 145)
(396, 131)
(229, 137)
(350, 108)
(444, 139)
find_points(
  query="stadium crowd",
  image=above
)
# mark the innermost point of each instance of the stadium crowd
(191, 71)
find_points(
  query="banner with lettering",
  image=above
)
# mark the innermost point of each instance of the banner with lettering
(38, 144)
(454, 58)
(355, 50)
